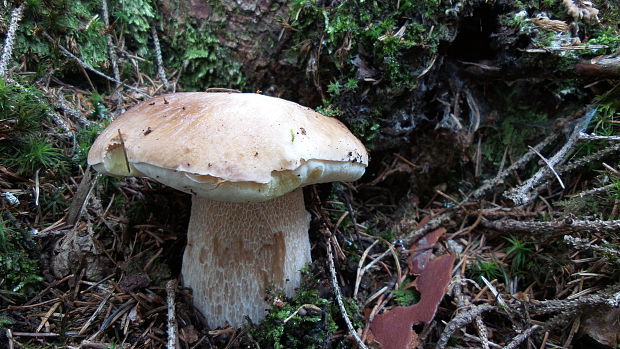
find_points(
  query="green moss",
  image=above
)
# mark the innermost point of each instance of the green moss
(406, 296)
(195, 49)
(54, 203)
(519, 124)
(605, 121)
(191, 47)
(19, 272)
(609, 37)
(85, 138)
(585, 206)
(366, 129)
(34, 154)
(372, 48)
(520, 252)
(135, 18)
(313, 329)
(20, 112)
(77, 22)
(382, 32)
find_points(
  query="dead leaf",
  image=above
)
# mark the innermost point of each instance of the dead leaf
(188, 334)
(602, 324)
(421, 252)
(134, 282)
(78, 249)
(393, 328)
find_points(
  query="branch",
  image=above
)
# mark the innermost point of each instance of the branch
(160, 62)
(172, 321)
(605, 66)
(584, 244)
(87, 66)
(599, 190)
(524, 160)
(522, 336)
(111, 51)
(521, 195)
(567, 225)
(610, 296)
(9, 42)
(61, 103)
(343, 310)
(593, 137)
(413, 232)
(590, 158)
(460, 321)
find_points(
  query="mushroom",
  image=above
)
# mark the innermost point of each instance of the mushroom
(244, 158)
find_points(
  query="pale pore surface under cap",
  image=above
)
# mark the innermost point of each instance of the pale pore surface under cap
(236, 251)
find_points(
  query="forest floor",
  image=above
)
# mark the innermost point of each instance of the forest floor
(517, 249)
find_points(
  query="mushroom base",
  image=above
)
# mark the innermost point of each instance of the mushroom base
(236, 251)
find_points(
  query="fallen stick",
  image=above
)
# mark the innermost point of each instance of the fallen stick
(567, 225)
(9, 42)
(524, 160)
(461, 320)
(584, 244)
(593, 137)
(343, 310)
(173, 342)
(158, 59)
(88, 67)
(520, 195)
(522, 336)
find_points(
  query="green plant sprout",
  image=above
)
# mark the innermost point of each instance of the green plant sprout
(519, 251)
(36, 154)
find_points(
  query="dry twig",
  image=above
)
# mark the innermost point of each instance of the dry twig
(522, 336)
(488, 185)
(173, 341)
(88, 67)
(584, 244)
(411, 234)
(567, 225)
(9, 41)
(461, 320)
(158, 59)
(61, 103)
(593, 137)
(521, 195)
(112, 53)
(343, 310)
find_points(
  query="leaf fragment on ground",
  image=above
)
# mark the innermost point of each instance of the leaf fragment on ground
(393, 328)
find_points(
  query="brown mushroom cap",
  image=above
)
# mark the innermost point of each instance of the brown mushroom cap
(228, 146)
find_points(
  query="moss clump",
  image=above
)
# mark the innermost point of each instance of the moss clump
(406, 296)
(19, 271)
(309, 320)
(195, 49)
(135, 17)
(372, 49)
(20, 112)
(393, 40)
(77, 22)
(517, 125)
(191, 47)
(24, 148)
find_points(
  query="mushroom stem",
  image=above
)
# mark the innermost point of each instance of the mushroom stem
(236, 251)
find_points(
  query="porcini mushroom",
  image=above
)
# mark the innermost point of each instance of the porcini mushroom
(244, 158)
